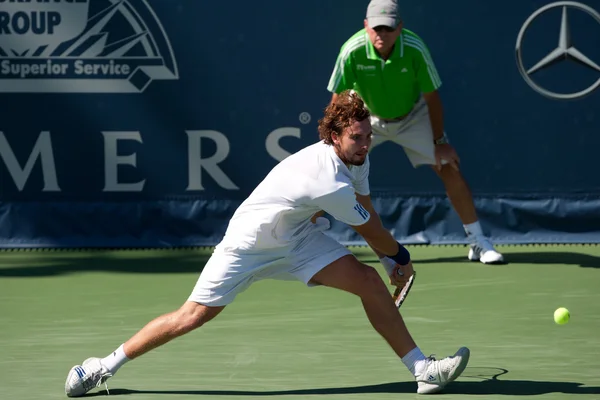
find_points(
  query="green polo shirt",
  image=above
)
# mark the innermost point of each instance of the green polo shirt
(389, 87)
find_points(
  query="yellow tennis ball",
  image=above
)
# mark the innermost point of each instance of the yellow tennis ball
(561, 316)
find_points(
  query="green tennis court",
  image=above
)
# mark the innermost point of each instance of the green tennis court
(283, 340)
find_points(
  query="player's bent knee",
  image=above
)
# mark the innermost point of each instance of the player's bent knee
(371, 282)
(193, 315)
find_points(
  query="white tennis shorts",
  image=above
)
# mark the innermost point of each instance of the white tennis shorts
(228, 273)
(413, 133)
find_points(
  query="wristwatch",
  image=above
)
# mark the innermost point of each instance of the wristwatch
(441, 140)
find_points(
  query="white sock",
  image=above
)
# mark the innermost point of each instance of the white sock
(415, 361)
(115, 360)
(473, 229)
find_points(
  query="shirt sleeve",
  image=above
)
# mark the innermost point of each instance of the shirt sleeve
(361, 178)
(427, 75)
(342, 77)
(342, 205)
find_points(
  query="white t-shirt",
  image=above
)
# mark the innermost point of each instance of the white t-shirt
(279, 210)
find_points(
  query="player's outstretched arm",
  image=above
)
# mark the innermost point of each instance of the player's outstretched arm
(345, 205)
(366, 202)
(384, 244)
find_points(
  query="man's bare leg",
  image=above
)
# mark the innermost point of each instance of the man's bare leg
(460, 196)
(95, 371)
(458, 193)
(159, 331)
(350, 275)
(169, 326)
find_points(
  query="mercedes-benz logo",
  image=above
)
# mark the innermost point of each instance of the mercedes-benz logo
(564, 51)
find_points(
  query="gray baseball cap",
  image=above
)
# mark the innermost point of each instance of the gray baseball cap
(383, 12)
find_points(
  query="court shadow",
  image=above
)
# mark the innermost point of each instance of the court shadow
(541, 257)
(496, 387)
(53, 264)
(474, 381)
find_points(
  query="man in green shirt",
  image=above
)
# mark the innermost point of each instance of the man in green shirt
(392, 70)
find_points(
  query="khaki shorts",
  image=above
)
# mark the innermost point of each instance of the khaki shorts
(413, 133)
(228, 273)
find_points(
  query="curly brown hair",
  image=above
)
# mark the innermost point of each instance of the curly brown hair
(347, 108)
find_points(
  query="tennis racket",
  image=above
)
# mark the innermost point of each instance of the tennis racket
(401, 292)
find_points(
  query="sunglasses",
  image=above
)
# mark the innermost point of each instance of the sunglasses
(383, 28)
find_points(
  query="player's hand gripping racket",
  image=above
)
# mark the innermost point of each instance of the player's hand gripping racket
(401, 292)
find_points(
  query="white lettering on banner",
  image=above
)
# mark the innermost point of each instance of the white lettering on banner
(41, 150)
(80, 46)
(25, 26)
(20, 23)
(112, 161)
(196, 164)
(210, 164)
(272, 142)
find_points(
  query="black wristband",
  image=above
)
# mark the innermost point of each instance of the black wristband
(402, 257)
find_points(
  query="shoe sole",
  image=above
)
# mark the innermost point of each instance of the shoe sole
(73, 371)
(465, 354)
(460, 368)
(67, 391)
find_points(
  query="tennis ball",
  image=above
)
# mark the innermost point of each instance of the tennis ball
(561, 316)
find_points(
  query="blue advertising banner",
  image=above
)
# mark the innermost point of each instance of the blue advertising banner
(133, 123)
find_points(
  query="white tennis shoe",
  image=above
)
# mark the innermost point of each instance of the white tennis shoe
(483, 250)
(85, 377)
(439, 373)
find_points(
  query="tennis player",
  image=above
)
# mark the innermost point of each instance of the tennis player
(275, 234)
